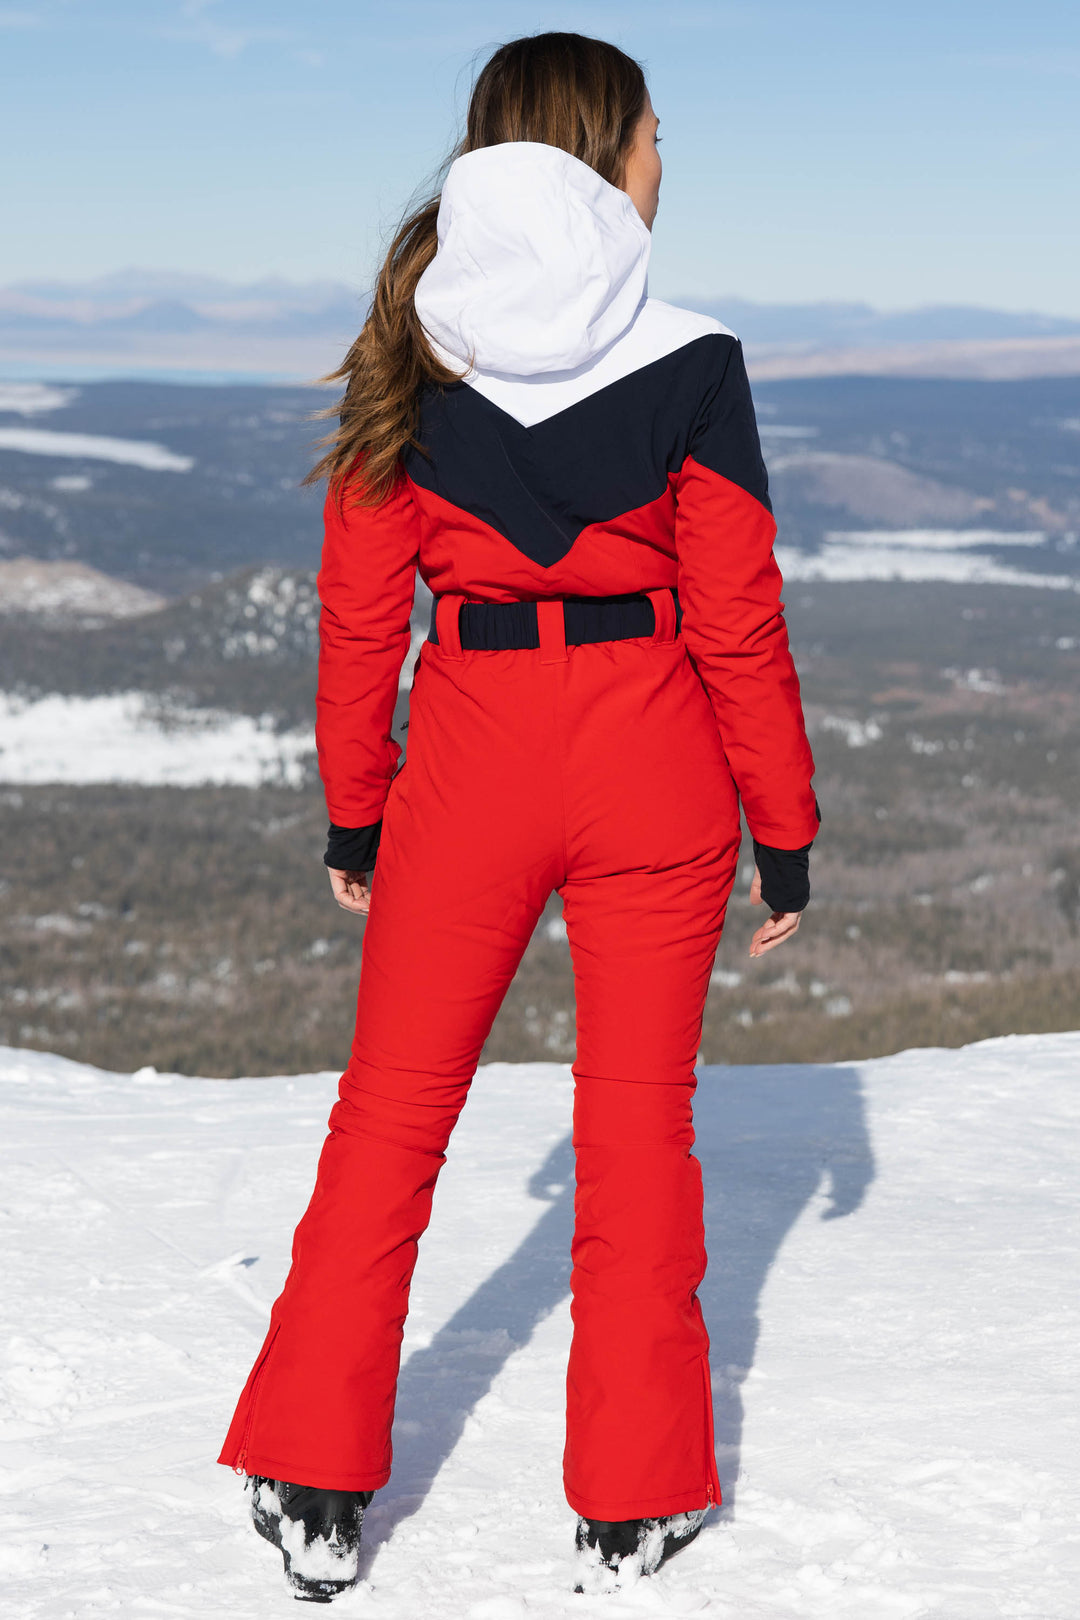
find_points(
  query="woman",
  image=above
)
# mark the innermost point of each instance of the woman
(575, 470)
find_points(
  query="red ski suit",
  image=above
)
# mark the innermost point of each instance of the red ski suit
(610, 773)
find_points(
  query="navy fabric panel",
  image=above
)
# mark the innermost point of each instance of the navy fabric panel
(725, 437)
(605, 455)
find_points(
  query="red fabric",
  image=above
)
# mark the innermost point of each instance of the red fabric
(600, 775)
(633, 551)
(733, 621)
(366, 586)
(705, 535)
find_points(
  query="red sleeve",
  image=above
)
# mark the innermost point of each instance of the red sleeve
(733, 621)
(366, 585)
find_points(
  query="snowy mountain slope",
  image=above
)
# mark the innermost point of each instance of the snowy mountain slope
(894, 1343)
(216, 688)
(69, 594)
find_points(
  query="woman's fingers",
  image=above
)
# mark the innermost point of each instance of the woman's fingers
(351, 890)
(755, 889)
(780, 926)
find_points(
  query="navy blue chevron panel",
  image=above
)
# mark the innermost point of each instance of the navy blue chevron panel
(607, 454)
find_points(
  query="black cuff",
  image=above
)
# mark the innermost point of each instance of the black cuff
(785, 876)
(352, 849)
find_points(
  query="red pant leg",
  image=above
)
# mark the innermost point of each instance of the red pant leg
(472, 846)
(653, 844)
(639, 1414)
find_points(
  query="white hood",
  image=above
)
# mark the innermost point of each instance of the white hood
(541, 263)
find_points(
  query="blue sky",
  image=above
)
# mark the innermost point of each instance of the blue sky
(902, 153)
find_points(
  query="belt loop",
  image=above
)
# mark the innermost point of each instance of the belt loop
(664, 610)
(551, 626)
(446, 624)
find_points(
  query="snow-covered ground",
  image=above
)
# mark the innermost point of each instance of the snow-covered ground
(954, 556)
(891, 1297)
(68, 592)
(34, 398)
(136, 737)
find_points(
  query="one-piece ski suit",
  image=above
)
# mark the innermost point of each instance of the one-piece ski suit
(599, 444)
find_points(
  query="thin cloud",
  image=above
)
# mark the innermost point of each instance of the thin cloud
(19, 19)
(222, 39)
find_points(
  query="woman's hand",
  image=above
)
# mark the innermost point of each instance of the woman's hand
(780, 926)
(352, 890)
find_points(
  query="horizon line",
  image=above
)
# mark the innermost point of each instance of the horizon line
(26, 284)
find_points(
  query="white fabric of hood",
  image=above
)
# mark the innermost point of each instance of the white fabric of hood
(541, 263)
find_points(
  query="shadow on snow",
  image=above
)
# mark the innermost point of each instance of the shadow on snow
(770, 1139)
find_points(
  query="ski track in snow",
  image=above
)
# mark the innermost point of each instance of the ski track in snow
(890, 1299)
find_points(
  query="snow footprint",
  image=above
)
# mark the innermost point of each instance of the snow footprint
(36, 1385)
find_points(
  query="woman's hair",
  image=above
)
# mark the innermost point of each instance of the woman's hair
(565, 90)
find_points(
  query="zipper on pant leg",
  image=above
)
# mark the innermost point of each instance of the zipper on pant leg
(256, 1380)
(712, 1478)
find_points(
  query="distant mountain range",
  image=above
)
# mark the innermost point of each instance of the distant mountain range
(859, 324)
(134, 301)
(141, 322)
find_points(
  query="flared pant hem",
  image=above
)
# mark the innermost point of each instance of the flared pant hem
(296, 1473)
(642, 1507)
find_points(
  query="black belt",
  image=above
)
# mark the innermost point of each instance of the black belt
(499, 626)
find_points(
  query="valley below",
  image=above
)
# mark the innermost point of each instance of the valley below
(162, 896)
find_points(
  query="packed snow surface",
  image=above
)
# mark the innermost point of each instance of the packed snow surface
(891, 1301)
(134, 737)
(94, 447)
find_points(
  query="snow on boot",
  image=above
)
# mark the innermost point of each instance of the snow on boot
(317, 1532)
(612, 1554)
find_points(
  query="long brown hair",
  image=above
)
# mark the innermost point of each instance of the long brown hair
(565, 90)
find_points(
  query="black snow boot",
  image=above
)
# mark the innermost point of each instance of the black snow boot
(317, 1532)
(616, 1553)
